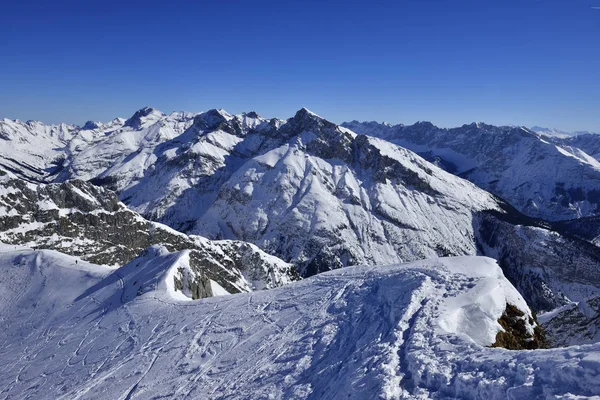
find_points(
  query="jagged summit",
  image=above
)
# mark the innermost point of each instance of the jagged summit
(306, 120)
(423, 124)
(90, 125)
(305, 111)
(251, 114)
(137, 120)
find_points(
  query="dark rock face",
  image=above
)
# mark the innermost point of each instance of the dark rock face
(199, 285)
(90, 125)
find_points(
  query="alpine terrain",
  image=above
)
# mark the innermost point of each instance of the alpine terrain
(219, 256)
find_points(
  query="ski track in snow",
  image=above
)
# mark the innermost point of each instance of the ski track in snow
(72, 332)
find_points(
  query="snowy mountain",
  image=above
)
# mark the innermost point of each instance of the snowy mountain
(107, 285)
(540, 178)
(405, 331)
(321, 197)
(89, 222)
(38, 152)
(282, 186)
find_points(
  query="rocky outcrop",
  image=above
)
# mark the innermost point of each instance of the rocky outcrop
(89, 222)
(519, 331)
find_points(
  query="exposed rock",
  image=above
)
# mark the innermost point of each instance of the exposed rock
(518, 333)
(89, 222)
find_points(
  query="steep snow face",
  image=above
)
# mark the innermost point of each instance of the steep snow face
(81, 219)
(540, 178)
(390, 332)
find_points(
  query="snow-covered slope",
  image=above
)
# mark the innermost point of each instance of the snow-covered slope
(89, 222)
(39, 152)
(126, 151)
(407, 331)
(540, 178)
(590, 143)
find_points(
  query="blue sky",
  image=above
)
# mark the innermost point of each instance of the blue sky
(520, 62)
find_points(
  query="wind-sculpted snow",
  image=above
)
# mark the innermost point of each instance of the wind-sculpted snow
(419, 330)
(540, 178)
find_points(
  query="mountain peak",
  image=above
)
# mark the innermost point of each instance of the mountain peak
(251, 114)
(304, 113)
(212, 119)
(90, 125)
(136, 119)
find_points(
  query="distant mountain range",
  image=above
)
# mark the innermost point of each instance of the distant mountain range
(541, 177)
(558, 133)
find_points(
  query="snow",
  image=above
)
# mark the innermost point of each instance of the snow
(475, 313)
(77, 330)
(218, 289)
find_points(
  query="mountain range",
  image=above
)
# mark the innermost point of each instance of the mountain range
(158, 212)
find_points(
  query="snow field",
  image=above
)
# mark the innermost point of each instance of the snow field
(77, 331)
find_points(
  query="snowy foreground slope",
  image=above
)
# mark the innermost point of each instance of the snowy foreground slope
(417, 330)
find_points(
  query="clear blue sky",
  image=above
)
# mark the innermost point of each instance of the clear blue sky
(518, 62)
